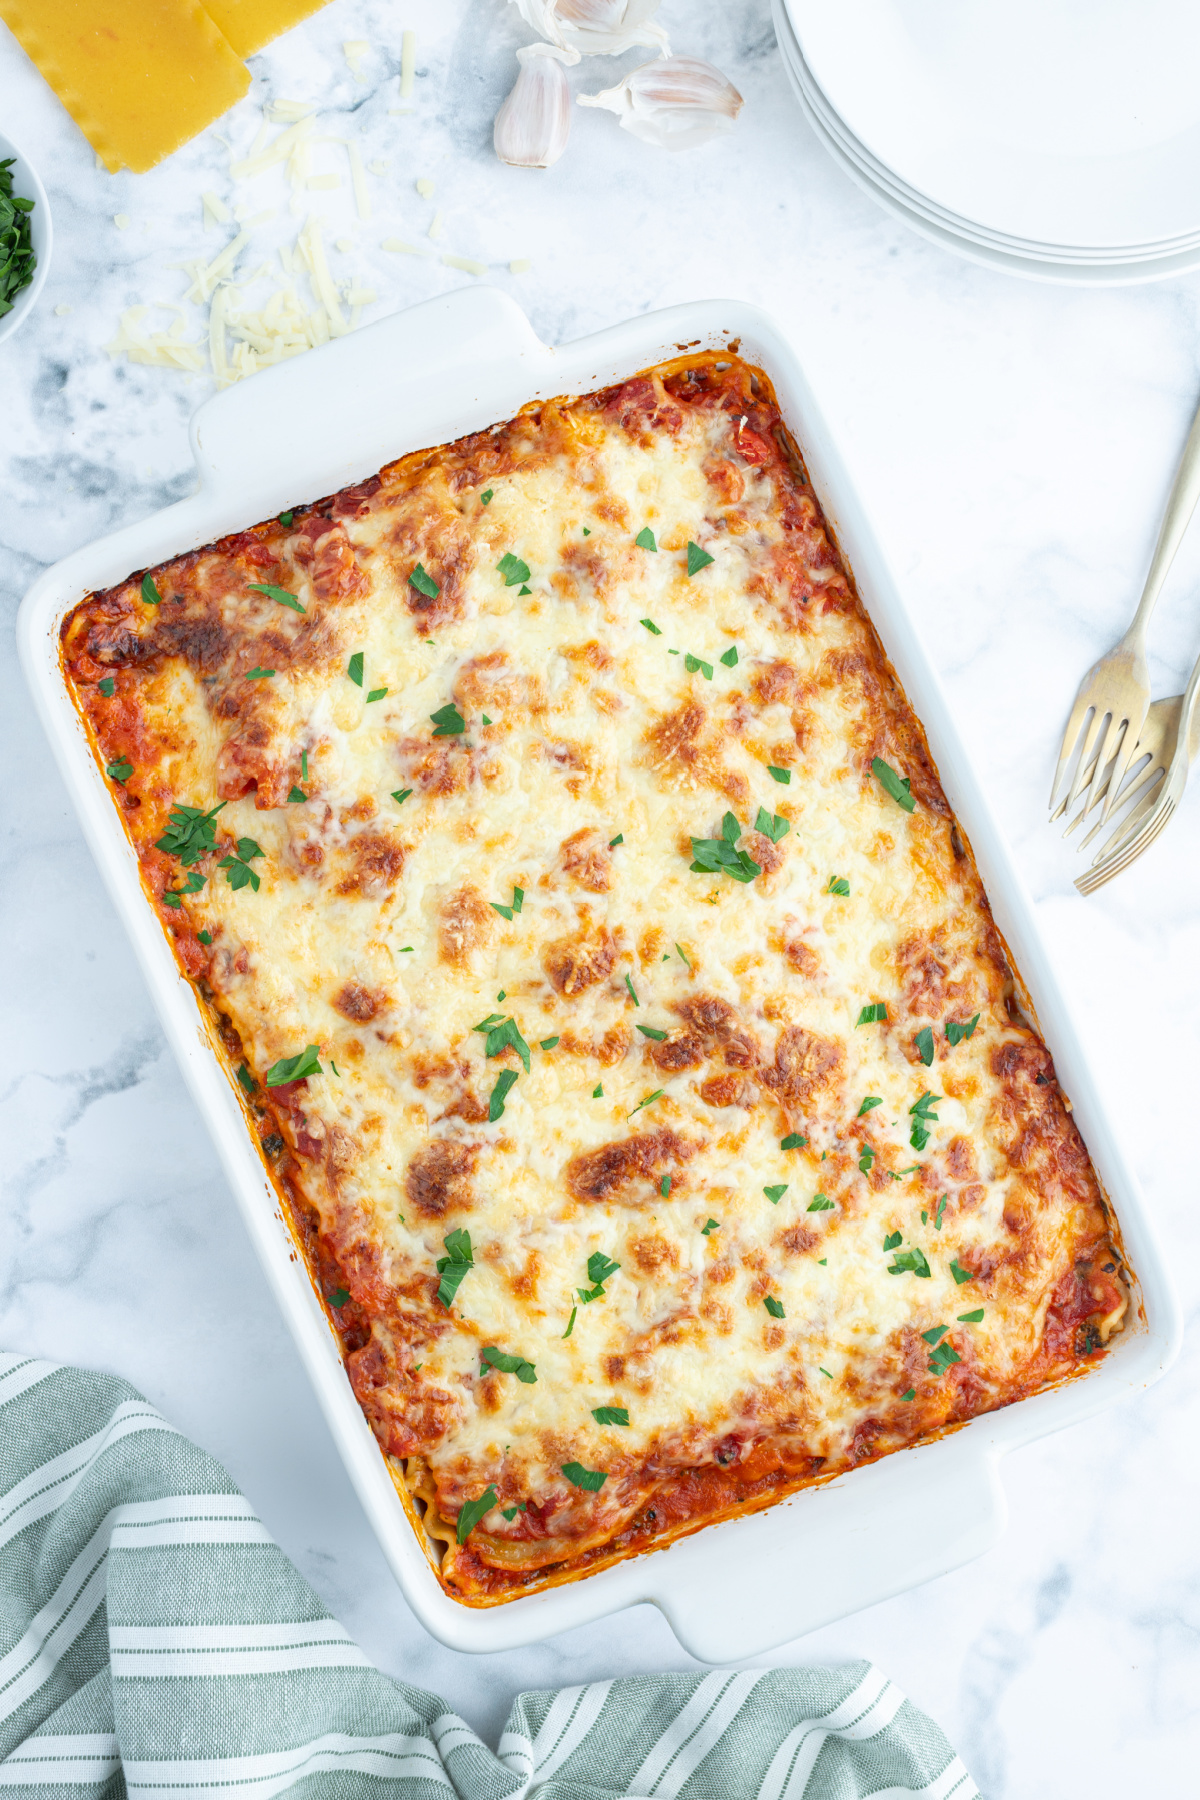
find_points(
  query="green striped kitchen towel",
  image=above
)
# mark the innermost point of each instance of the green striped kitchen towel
(154, 1641)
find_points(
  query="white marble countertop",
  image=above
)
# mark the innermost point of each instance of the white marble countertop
(1014, 443)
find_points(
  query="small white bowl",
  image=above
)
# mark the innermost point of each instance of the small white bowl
(27, 184)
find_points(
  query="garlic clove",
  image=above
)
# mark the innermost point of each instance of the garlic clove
(596, 27)
(676, 102)
(534, 123)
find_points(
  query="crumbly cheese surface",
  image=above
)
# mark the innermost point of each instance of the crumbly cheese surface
(475, 798)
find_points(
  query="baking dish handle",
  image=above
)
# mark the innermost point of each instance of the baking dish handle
(870, 1535)
(310, 425)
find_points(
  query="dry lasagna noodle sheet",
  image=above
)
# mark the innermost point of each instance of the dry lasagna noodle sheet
(141, 77)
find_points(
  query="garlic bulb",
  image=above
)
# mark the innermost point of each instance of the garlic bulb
(533, 125)
(676, 102)
(595, 27)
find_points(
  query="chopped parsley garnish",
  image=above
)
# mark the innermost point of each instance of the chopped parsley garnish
(304, 765)
(504, 1081)
(896, 785)
(285, 518)
(697, 558)
(924, 1043)
(150, 593)
(774, 1307)
(819, 1203)
(959, 1273)
(486, 496)
(405, 949)
(237, 868)
(910, 1262)
(587, 531)
(193, 884)
(782, 776)
(400, 795)
(776, 1192)
(682, 954)
(692, 663)
(513, 569)
(448, 720)
(971, 1318)
(503, 1036)
(571, 1322)
(519, 1366)
(524, 590)
(650, 626)
(936, 1335)
(246, 1079)
(277, 593)
(338, 1298)
(911, 1394)
(518, 899)
(822, 1260)
(943, 1358)
(107, 687)
(793, 1141)
(713, 1225)
(870, 1101)
(472, 1512)
(838, 885)
(257, 674)
(955, 1033)
(295, 1068)
(296, 796)
(424, 583)
(354, 668)
(632, 994)
(590, 1480)
(866, 1157)
(610, 1415)
(510, 1512)
(874, 1014)
(600, 1269)
(651, 1031)
(204, 937)
(645, 541)
(120, 770)
(717, 856)
(619, 839)
(922, 1116)
(892, 1241)
(598, 1091)
(937, 1217)
(730, 657)
(824, 1372)
(376, 694)
(650, 1098)
(485, 720)
(549, 1043)
(452, 1267)
(771, 825)
(190, 833)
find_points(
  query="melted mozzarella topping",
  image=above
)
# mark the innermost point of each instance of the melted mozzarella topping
(700, 1021)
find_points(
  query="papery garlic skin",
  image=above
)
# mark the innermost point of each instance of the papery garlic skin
(676, 102)
(534, 123)
(595, 27)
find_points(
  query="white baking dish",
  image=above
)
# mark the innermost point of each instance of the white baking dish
(310, 427)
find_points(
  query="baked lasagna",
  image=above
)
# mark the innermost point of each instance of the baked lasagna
(606, 981)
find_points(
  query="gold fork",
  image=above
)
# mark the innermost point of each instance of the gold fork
(1110, 708)
(1158, 805)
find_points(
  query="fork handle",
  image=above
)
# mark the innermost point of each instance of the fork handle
(1180, 507)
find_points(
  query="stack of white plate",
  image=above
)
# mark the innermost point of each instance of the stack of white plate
(1053, 138)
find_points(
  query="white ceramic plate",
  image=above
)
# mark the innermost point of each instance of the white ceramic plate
(1071, 122)
(26, 182)
(454, 365)
(958, 237)
(836, 128)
